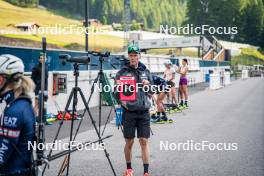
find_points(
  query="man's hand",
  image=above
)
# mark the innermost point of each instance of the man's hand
(118, 82)
(145, 82)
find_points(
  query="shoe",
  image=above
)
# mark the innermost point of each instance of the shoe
(146, 174)
(128, 172)
(168, 121)
(154, 118)
(165, 119)
(159, 121)
(163, 116)
(177, 109)
(171, 111)
(184, 106)
(168, 109)
(181, 107)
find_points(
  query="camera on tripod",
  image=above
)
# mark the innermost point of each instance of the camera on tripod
(77, 59)
(96, 53)
(82, 59)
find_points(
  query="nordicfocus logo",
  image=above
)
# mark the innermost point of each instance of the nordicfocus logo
(57, 29)
(198, 30)
(132, 88)
(59, 145)
(190, 145)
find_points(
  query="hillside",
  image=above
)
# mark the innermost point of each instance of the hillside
(150, 12)
(11, 15)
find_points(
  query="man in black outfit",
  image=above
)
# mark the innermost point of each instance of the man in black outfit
(36, 77)
(136, 115)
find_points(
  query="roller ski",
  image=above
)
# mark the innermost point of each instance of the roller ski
(173, 109)
(160, 119)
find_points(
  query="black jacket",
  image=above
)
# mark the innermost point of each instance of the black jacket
(143, 100)
(36, 77)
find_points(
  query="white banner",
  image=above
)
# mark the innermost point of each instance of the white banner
(182, 42)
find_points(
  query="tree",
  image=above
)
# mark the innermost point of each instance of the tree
(104, 12)
(104, 20)
(197, 11)
(135, 25)
(254, 19)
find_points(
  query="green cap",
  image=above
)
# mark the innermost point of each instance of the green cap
(133, 48)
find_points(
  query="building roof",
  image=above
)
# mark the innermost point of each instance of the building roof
(27, 24)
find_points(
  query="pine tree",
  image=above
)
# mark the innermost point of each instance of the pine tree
(254, 17)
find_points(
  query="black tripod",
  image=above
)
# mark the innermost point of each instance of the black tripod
(74, 99)
(99, 79)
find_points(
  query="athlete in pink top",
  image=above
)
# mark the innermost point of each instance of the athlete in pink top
(183, 84)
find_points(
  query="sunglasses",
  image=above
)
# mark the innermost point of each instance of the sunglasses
(133, 49)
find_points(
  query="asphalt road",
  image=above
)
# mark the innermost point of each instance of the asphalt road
(232, 116)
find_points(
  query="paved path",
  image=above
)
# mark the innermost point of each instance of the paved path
(234, 114)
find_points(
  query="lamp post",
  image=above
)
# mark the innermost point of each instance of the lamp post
(86, 25)
(86, 28)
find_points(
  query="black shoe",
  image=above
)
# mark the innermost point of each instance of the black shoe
(154, 118)
(164, 117)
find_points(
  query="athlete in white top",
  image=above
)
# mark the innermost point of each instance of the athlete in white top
(169, 76)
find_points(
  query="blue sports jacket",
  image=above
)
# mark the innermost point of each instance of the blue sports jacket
(17, 130)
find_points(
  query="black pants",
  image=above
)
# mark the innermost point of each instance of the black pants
(136, 121)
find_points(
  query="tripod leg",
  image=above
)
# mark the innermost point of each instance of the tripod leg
(92, 90)
(65, 161)
(100, 103)
(108, 117)
(96, 130)
(74, 104)
(60, 125)
(63, 166)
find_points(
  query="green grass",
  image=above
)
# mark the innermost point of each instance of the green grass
(11, 15)
(253, 52)
(246, 60)
(249, 56)
(96, 42)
